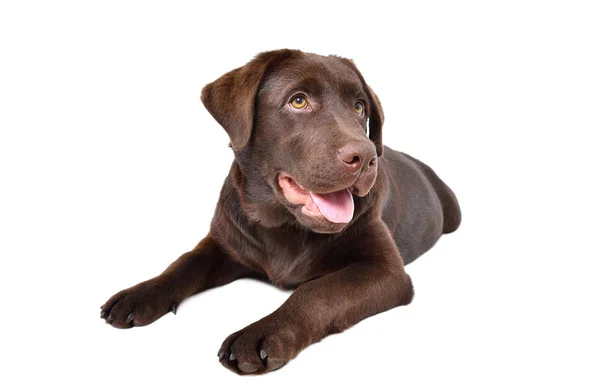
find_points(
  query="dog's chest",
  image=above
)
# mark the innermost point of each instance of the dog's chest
(289, 264)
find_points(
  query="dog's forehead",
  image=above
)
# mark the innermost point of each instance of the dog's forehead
(313, 72)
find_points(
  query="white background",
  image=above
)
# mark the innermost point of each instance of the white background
(110, 169)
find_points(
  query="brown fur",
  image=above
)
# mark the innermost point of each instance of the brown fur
(342, 272)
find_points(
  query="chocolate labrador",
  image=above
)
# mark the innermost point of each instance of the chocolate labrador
(313, 201)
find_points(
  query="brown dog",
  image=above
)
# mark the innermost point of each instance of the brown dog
(313, 200)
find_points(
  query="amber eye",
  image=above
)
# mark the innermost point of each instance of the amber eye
(359, 108)
(298, 102)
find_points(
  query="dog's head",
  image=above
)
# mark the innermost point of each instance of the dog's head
(305, 127)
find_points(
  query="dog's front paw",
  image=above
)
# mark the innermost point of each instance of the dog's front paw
(139, 305)
(259, 348)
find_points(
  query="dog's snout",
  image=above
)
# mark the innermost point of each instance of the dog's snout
(356, 155)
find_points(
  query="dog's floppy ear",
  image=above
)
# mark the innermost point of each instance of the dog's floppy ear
(375, 110)
(375, 120)
(231, 98)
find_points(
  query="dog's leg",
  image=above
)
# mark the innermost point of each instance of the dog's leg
(204, 267)
(372, 282)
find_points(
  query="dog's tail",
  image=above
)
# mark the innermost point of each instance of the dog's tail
(451, 209)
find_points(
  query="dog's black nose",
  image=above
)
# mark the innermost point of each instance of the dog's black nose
(356, 155)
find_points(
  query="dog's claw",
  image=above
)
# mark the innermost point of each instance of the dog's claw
(263, 354)
(110, 318)
(174, 309)
(129, 318)
(221, 354)
(102, 314)
(232, 357)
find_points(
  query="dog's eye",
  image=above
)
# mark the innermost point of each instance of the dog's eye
(359, 108)
(298, 102)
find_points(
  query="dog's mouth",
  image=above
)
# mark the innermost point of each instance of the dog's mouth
(336, 207)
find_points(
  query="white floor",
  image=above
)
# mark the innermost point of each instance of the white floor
(111, 168)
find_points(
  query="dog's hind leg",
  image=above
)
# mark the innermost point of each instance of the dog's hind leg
(451, 209)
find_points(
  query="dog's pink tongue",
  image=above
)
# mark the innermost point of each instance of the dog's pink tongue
(337, 207)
